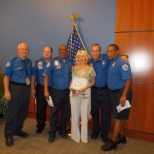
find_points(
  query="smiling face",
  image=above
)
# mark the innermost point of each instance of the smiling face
(112, 52)
(23, 50)
(62, 52)
(81, 57)
(47, 53)
(95, 52)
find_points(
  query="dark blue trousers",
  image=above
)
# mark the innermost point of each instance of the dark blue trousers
(100, 101)
(17, 109)
(61, 101)
(41, 107)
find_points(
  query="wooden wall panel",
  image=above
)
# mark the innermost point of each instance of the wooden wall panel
(139, 47)
(134, 15)
(142, 109)
(134, 33)
(32, 104)
(48, 110)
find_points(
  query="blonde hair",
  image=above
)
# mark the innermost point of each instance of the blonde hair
(81, 52)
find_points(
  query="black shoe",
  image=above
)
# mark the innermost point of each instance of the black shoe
(109, 146)
(94, 135)
(39, 131)
(64, 134)
(51, 138)
(121, 139)
(9, 142)
(21, 134)
(105, 138)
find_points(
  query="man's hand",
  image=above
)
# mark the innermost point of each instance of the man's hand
(33, 92)
(124, 58)
(46, 94)
(122, 100)
(7, 95)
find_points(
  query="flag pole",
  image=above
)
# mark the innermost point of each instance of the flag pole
(74, 18)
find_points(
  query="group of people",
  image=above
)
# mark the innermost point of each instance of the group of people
(77, 91)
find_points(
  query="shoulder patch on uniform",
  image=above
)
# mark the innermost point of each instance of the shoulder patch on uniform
(125, 67)
(52, 58)
(8, 64)
(12, 58)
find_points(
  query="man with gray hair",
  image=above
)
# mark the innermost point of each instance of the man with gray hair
(17, 76)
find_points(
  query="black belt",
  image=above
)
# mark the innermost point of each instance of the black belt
(17, 83)
(100, 88)
(117, 90)
(59, 89)
(42, 85)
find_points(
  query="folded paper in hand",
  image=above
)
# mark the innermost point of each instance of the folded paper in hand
(34, 99)
(126, 106)
(50, 101)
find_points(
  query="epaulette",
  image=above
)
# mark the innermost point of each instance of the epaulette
(12, 58)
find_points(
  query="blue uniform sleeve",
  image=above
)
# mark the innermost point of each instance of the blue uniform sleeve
(126, 71)
(48, 69)
(8, 68)
(104, 56)
(34, 69)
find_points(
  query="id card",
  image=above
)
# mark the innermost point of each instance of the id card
(27, 81)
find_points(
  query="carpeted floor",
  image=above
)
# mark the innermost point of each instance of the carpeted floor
(38, 144)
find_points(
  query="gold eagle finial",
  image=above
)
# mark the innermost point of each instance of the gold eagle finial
(74, 17)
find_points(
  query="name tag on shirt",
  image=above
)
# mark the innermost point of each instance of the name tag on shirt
(27, 81)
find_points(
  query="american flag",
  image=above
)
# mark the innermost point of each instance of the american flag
(74, 44)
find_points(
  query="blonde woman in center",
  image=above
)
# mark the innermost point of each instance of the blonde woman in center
(83, 78)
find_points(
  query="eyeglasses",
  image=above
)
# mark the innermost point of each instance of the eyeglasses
(24, 49)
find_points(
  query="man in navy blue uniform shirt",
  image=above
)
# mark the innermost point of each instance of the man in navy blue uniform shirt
(100, 94)
(60, 71)
(17, 75)
(37, 76)
(119, 81)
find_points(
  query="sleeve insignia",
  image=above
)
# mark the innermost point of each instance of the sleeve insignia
(8, 64)
(125, 67)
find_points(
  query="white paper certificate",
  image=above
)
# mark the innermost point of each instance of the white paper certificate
(79, 82)
(126, 106)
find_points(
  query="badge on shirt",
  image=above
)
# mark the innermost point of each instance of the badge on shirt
(57, 64)
(113, 64)
(27, 81)
(103, 62)
(40, 65)
(125, 67)
(48, 64)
